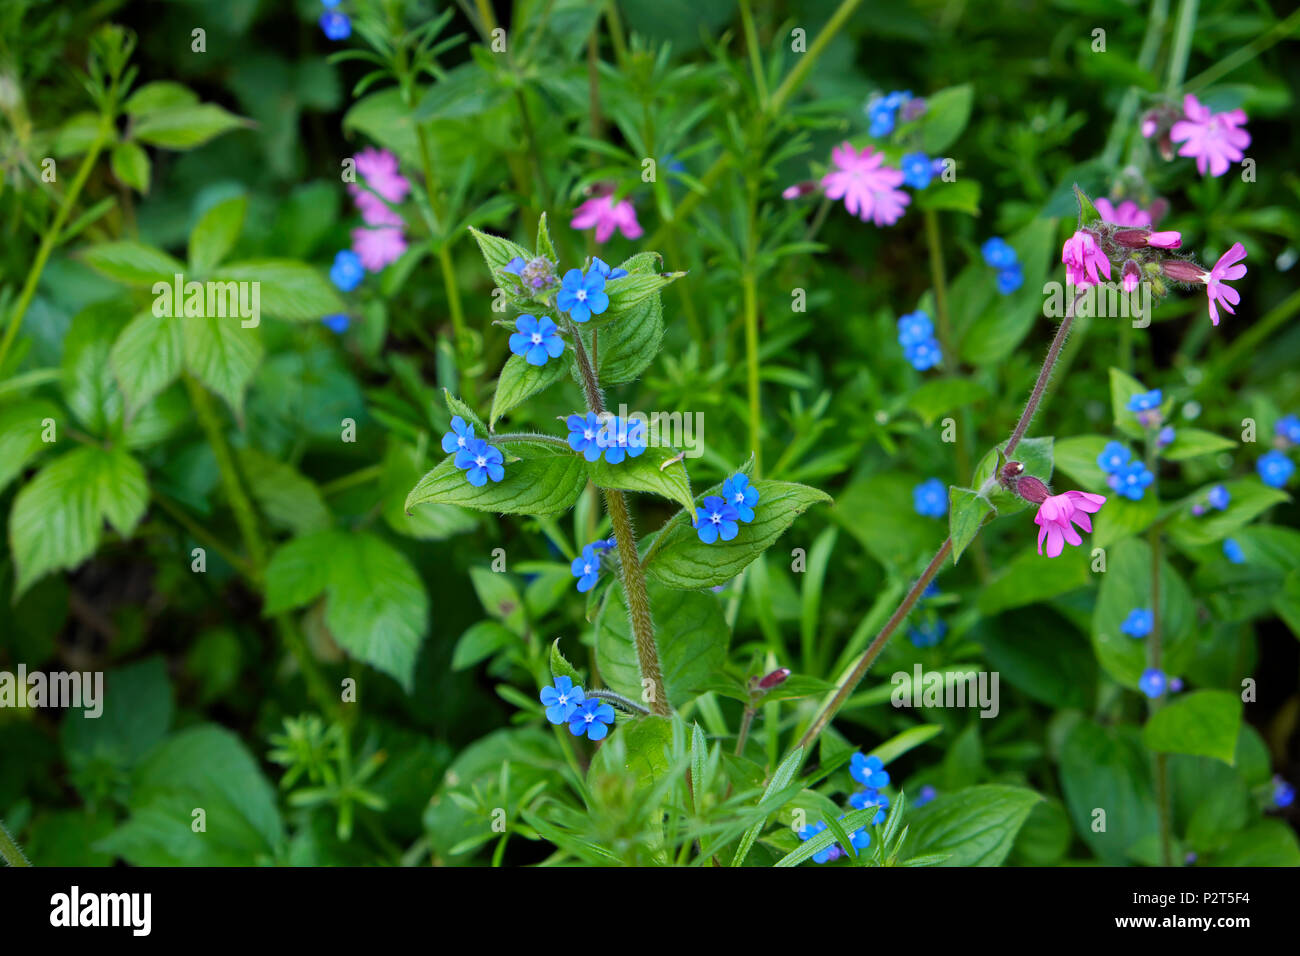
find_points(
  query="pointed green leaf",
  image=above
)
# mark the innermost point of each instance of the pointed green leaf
(649, 472)
(546, 485)
(147, 357)
(520, 381)
(215, 234)
(967, 511)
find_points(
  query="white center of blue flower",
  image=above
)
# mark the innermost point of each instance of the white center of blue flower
(537, 338)
(587, 434)
(588, 717)
(563, 699)
(586, 569)
(460, 441)
(716, 517)
(480, 461)
(740, 497)
(581, 295)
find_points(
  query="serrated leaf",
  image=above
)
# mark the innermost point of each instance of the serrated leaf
(681, 560)
(520, 381)
(287, 497)
(215, 234)
(498, 252)
(376, 607)
(147, 357)
(222, 355)
(89, 388)
(21, 426)
(288, 289)
(133, 263)
(542, 486)
(458, 407)
(646, 473)
(560, 666)
(628, 346)
(544, 245)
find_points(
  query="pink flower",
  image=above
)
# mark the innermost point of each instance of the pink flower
(1083, 257)
(1224, 270)
(1215, 139)
(1141, 238)
(374, 210)
(862, 182)
(607, 215)
(1057, 512)
(379, 168)
(1131, 275)
(1127, 213)
(1165, 240)
(378, 248)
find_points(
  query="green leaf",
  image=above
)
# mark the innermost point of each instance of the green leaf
(161, 95)
(941, 395)
(1077, 458)
(975, 826)
(130, 164)
(137, 712)
(547, 485)
(545, 247)
(288, 498)
(215, 234)
(1126, 586)
(1034, 453)
(640, 750)
(1193, 442)
(958, 196)
(631, 290)
(57, 519)
(1268, 843)
(1123, 387)
(498, 252)
(1088, 215)
(1032, 577)
(1121, 518)
(946, 114)
(21, 426)
(785, 773)
(222, 355)
(646, 473)
(967, 511)
(1250, 498)
(1203, 723)
(376, 607)
(87, 376)
(629, 345)
(520, 381)
(1106, 775)
(132, 263)
(560, 666)
(690, 631)
(853, 820)
(289, 290)
(680, 559)
(466, 91)
(402, 467)
(901, 743)
(184, 127)
(480, 642)
(204, 767)
(147, 357)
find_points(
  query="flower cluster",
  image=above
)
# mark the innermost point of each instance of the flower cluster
(1129, 477)
(567, 704)
(870, 772)
(1214, 140)
(606, 214)
(999, 254)
(616, 439)
(916, 336)
(885, 112)
(720, 516)
(586, 566)
(930, 498)
(381, 241)
(334, 23)
(479, 460)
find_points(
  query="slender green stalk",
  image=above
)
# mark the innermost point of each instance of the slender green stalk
(630, 570)
(1122, 126)
(203, 536)
(362, 476)
(1183, 30)
(51, 239)
(755, 53)
(749, 289)
(1280, 31)
(1162, 766)
(10, 851)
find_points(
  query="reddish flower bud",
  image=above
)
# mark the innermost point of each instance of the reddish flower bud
(1183, 270)
(1031, 489)
(1141, 238)
(774, 679)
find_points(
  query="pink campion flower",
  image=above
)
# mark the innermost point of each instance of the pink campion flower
(378, 248)
(1214, 139)
(379, 168)
(1055, 517)
(862, 181)
(1131, 275)
(1083, 257)
(1127, 213)
(1225, 270)
(607, 215)
(374, 211)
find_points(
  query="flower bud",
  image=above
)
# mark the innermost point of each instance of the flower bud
(774, 679)
(1131, 275)
(799, 190)
(1031, 489)
(1141, 238)
(1183, 270)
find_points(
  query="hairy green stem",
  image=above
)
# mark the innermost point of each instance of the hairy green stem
(618, 700)
(10, 851)
(630, 570)
(51, 239)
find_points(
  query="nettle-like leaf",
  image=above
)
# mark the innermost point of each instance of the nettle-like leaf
(497, 253)
(691, 634)
(520, 381)
(287, 289)
(21, 425)
(457, 407)
(629, 342)
(221, 354)
(147, 357)
(58, 518)
(87, 376)
(132, 263)
(1204, 723)
(376, 606)
(679, 559)
(648, 472)
(548, 483)
(215, 234)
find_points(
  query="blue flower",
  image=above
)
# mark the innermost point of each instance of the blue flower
(330, 3)
(923, 355)
(1275, 469)
(897, 98)
(821, 856)
(1283, 793)
(336, 26)
(917, 170)
(924, 796)
(930, 498)
(871, 797)
(601, 268)
(882, 118)
(586, 567)
(869, 771)
(931, 589)
(914, 327)
(1113, 457)
(481, 461)
(1165, 436)
(860, 838)
(1219, 498)
(1175, 684)
(336, 323)
(459, 437)
(741, 495)
(1131, 481)
(591, 717)
(584, 431)
(515, 266)
(347, 271)
(998, 253)
(717, 521)
(1288, 428)
(582, 296)
(1139, 622)
(536, 339)
(927, 633)
(1153, 682)
(1009, 280)
(622, 438)
(561, 700)
(1145, 401)
(1232, 551)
